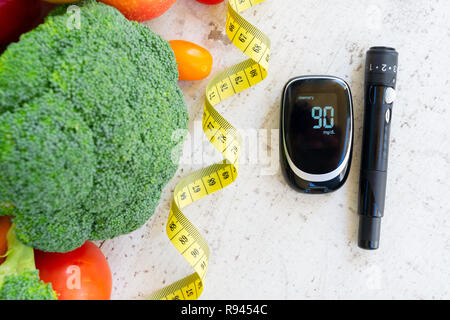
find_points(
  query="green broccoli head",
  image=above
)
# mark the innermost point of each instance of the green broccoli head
(110, 149)
(19, 279)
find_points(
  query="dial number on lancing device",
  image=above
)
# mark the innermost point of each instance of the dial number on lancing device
(246, 309)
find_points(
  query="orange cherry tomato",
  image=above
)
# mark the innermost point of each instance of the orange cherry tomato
(82, 274)
(194, 62)
(5, 225)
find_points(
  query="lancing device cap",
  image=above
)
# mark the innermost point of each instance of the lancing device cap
(369, 232)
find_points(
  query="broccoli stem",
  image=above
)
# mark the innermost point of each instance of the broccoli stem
(19, 258)
(19, 279)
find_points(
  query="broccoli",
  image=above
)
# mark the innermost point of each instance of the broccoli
(86, 123)
(19, 279)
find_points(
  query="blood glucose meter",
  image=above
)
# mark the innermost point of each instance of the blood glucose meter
(316, 138)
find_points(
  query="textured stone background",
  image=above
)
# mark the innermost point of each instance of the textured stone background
(267, 241)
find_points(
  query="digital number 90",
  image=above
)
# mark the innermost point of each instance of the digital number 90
(320, 115)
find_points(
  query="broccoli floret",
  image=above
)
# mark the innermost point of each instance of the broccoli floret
(26, 286)
(118, 83)
(19, 279)
(52, 134)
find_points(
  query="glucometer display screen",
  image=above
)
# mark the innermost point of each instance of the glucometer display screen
(323, 110)
(317, 124)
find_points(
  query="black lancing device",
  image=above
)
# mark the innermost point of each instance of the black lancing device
(380, 83)
(316, 138)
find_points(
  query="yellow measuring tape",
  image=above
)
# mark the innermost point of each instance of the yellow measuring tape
(226, 139)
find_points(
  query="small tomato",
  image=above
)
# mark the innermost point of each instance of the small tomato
(194, 62)
(210, 1)
(141, 10)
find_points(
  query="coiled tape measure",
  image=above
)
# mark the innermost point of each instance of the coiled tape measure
(226, 139)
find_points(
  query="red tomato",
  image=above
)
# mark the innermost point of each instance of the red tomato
(20, 16)
(82, 274)
(141, 10)
(194, 62)
(5, 225)
(210, 1)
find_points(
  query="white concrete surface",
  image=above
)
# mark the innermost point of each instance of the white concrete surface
(266, 240)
